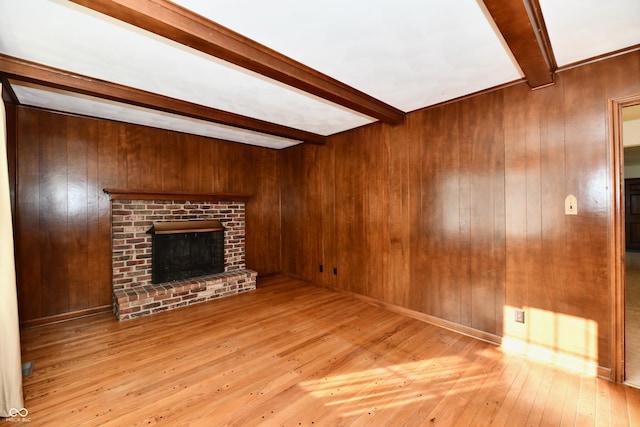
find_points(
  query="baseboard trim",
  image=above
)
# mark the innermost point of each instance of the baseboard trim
(63, 317)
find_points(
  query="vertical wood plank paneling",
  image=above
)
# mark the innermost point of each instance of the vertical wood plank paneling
(320, 224)
(64, 163)
(586, 110)
(483, 119)
(516, 201)
(477, 129)
(207, 166)
(553, 192)
(296, 205)
(303, 218)
(78, 143)
(111, 163)
(133, 152)
(189, 147)
(94, 192)
(466, 181)
(431, 210)
(326, 162)
(28, 236)
(144, 159)
(53, 221)
(398, 147)
(450, 279)
(419, 265)
(171, 158)
(349, 218)
(375, 215)
(533, 268)
(124, 143)
(498, 248)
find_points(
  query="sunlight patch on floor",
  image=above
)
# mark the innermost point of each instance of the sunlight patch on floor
(568, 341)
(394, 385)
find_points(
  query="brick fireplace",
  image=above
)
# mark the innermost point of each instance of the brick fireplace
(133, 215)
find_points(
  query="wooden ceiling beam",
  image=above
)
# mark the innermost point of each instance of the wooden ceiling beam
(181, 25)
(22, 70)
(520, 23)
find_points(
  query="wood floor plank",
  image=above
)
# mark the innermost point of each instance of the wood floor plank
(540, 402)
(507, 405)
(633, 405)
(570, 410)
(619, 405)
(603, 403)
(526, 400)
(293, 354)
(556, 398)
(496, 395)
(586, 410)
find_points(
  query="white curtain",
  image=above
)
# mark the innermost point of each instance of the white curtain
(10, 362)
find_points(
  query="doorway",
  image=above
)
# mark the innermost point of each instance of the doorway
(631, 149)
(625, 126)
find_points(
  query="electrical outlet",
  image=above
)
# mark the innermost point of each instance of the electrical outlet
(519, 316)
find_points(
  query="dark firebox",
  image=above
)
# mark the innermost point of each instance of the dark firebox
(185, 249)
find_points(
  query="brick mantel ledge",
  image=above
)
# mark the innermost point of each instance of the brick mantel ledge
(123, 194)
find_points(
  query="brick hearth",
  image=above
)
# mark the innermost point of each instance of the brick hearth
(133, 293)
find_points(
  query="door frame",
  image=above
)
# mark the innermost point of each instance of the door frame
(617, 237)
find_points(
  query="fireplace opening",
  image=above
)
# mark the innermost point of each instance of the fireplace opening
(186, 249)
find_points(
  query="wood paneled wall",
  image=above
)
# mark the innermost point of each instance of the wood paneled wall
(459, 213)
(63, 217)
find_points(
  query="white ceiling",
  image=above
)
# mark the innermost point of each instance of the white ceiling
(582, 29)
(407, 53)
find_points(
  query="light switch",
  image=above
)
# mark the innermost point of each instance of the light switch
(571, 205)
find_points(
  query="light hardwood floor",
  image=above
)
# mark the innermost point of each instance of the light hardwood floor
(291, 354)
